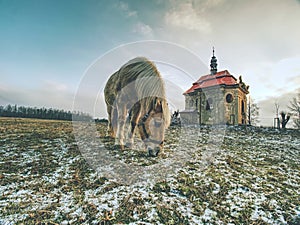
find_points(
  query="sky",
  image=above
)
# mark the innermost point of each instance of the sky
(48, 47)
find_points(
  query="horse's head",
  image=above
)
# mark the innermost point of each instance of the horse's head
(152, 127)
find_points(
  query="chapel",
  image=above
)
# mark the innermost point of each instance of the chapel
(216, 98)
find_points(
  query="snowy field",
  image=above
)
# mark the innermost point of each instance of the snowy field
(252, 178)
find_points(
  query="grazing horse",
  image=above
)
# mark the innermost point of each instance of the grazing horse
(135, 96)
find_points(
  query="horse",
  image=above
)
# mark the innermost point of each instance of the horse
(135, 96)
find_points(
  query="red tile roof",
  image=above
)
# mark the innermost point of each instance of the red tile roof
(220, 78)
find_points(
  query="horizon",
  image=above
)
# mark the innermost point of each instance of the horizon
(289, 125)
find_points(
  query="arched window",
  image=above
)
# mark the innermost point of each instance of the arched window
(243, 106)
(209, 104)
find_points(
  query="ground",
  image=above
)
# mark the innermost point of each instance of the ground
(253, 178)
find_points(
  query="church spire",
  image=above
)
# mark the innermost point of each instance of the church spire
(213, 64)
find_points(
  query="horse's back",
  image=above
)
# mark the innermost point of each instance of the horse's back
(134, 78)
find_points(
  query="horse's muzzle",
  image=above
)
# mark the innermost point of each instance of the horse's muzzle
(153, 152)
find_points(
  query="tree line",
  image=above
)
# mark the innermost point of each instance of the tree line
(41, 113)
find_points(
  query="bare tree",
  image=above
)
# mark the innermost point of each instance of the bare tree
(294, 107)
(253, 112)
(175, 119)
(284, 119)
(276, 119)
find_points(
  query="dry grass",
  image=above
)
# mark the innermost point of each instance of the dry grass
(254, 179)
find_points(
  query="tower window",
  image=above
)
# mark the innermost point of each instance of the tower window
(229, 98)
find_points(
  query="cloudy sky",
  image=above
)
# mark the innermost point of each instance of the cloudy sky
(46, 47)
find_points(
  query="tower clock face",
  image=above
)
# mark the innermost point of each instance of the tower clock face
(229, 98)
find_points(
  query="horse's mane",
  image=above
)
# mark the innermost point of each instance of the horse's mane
(148, 84)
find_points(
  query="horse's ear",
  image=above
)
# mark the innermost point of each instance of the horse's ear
(158, 106)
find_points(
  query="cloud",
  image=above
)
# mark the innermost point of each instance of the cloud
(48, 94)
(54, 86)
(124, 7)
(273, 79)
(255, 33)
(243, 31)
(295, 80)
(184, 16)
(143, 29)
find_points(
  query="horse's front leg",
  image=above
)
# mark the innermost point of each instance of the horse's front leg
(134, 117)
(130, 134)
(112, 121)
(119, 140)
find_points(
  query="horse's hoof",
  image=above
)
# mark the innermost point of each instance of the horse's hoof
(119, 147)
(129, 145)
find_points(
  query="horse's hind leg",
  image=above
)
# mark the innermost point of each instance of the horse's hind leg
(109, 128)
(114, 121)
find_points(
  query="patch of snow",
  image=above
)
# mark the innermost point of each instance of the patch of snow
(208, 214)
(216, 189)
